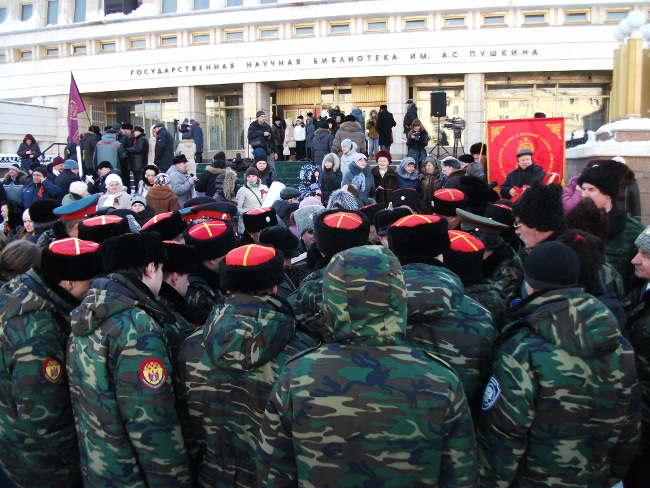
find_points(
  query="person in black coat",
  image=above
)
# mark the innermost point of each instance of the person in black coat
(526, 174)
(138, 154)
(322, 143)
(410, 116)
(164, 147)
(260, 135)
(217, 181)
(69, 174)
(385, 124)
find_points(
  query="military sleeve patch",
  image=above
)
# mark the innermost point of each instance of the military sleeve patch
(52, 370)
(492, 393)
(152, 373)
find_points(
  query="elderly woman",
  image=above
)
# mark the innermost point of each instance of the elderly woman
(385, 177)
(161, 197)
(116, 196)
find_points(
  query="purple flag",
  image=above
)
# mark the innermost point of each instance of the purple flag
(75, 107)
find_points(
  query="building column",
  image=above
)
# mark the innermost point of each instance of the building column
(257, 96)
(474, 110)
(191, 103)
(397, 93)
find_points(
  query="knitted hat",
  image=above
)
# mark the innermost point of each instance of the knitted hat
(451, 162)
(259, 154)
(71, 259)
(384, 154)
(371, 210)
(105, 164)
(342, 200)
(282, 239)
(112, 178)
(252, 171)
(79, 188)
(132, 251)
(182, 259)
(102, 227)
(168, 224)
(552, 265)
(80, 209)
(212, 239)
(251, 268)
(643, 241)
(405, 196)
(540, 207)
(57, 160)
(358, 156)
(336, 230)
(465, 257)
(15, 166)
(259, 113)
(259, 218)
(310, 201)
(385, 218)
(162, 179)
(346, 143)
(42, 211)
(138, 199)
(605, 175)
(406, 161)
(418, 235)
(446, 200)
(304, 217)
(70, 164)
(41, 169)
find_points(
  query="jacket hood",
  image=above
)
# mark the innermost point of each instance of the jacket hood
(249, 331)
(364, 297)
(215, 171)
(401, 169)
(108, 137)
(433, 292)
(350, 127)
(160, 193)
(321, 131)
(355, 170)
(570, 319)
(337, 162)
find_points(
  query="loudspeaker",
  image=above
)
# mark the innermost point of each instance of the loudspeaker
(123, 114)
(438, 104)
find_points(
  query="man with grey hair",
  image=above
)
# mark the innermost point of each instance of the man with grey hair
(451, 169)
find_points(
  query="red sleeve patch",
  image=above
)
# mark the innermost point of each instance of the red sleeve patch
(152, 373)
(52, 370)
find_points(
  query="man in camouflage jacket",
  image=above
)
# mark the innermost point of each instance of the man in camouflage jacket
(38, 443)
(562, 405)
(227, 369)
(119, 372)
(366, 409)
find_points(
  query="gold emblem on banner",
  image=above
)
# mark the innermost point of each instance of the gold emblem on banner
(495, 131)
(555, 129)
(525, 144)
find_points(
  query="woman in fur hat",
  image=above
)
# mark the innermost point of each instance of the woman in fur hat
(161, 197)
(331, 176)
(250, 195)
(385, 177)
(116, 195)
(360, 174)
(149, 174)
(218, 181)
(429, 180)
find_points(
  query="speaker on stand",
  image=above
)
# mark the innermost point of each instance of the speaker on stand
(123, 114)
(439, 110)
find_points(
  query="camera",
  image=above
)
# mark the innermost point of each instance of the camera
(416, 134)
(455, 124)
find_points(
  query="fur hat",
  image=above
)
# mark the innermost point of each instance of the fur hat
(552, 265)
(606, 175)
(465, 257)
(466, 158)
(405, 196)
(419, 235)
(251, 268)
(168, 224)
(282, 239)
(162, 179)
(406, 161)
(451, 162)
(446, 200)
(588, 217)
(71, 259)
(132, 251)
(384, 154)
(42, 211)
(503, 214)
(540, 207)
(212, 239)
(336, 230)
(477, 192)
(342, 200)
(385, 218)
(304, 217)
(112, 178)
(182, 259)
(100, 228)
(478, 148)
(259, 218)
(371, 210)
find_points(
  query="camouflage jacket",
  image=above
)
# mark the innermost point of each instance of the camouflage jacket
(562, 405)
(308, 303)
(620, 248)
(176, 331)
(366, 409)
(121, 389)
(226, 373)
(203, 294)
(487, 295)
(38, 443)
(442, 320)
(509, 275)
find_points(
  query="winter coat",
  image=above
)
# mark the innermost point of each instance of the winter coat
(371, 126)
(64, 179)
(203, 294)
(197, 135)
(187, 147)
(407, 180)
(299, 133)
(90, 140)
(162, 199)
(330, 180)
(476, 169)
(249, 198)
(358, 114)
(180, 328)
(570, 194)
(445, 322)
(622, 231)
(243, 347)
(385, 185)
(307, 178)
(306, 441)
(385, 124)
(348, 158)
(356, 174)
(14, 188)
(321, 145)
(120, 384)
(164, 150)
(520, 177)
(310, 129)
(268, 176)
(538, 417)
(352, 131)
(289, 139)
(179, 182)
(428, 185)
(27, 159)
(138, 153)
(257, 139)
(37, 431)
(109, 149)
(278, 134)
(420, 143)
(119, 200)
(33, 192)
(145, 216)
(219, 181)
(410, 115)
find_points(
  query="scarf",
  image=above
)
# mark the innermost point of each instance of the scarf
(360, 182)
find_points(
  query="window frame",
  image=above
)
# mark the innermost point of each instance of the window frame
(22, 13)
(495, 24)
(304, 26)
(233, 31)
(339, 24)
(47, 49)
(446, 18)
(163, 37)
(75, 46)
(47, 13)
(543, 13)
(260, 30)
(21, 52)
(132, 47)
(197, 34)
(574, 12)
(624, 11)
(406, 20)
(103, 44)
(367, 22)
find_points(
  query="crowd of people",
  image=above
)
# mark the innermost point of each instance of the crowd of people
(393, 324)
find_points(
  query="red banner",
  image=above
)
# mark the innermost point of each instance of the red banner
(75, 107)
(544, 136)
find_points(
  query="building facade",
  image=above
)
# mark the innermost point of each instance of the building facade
(219, 61)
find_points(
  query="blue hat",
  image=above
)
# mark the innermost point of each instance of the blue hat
(85, 207)
(70, 164)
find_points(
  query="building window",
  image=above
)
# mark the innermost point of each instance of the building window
(303, 30)
(340, 28)
(25, 12)
(108, 46)
(504, 103)
(79, 10)
(137, 43)
(237, 35)
(201, 4)
(576, 17)
(345, 95)
(3, 58)
(225, 127)
(234, 3)
(535, 18)
(376, 25)
(454, 21)
(268, 1)
(79, 49)
(504, 117)
(169, 6)
(496, 19)
(51, 52)
(25, 54)
(168, 41)
(52, 12)
(574, 101)
(200, 38)
(267, 33)
(3, 15)
(523, 103)
(415, 24)
(616, 15)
